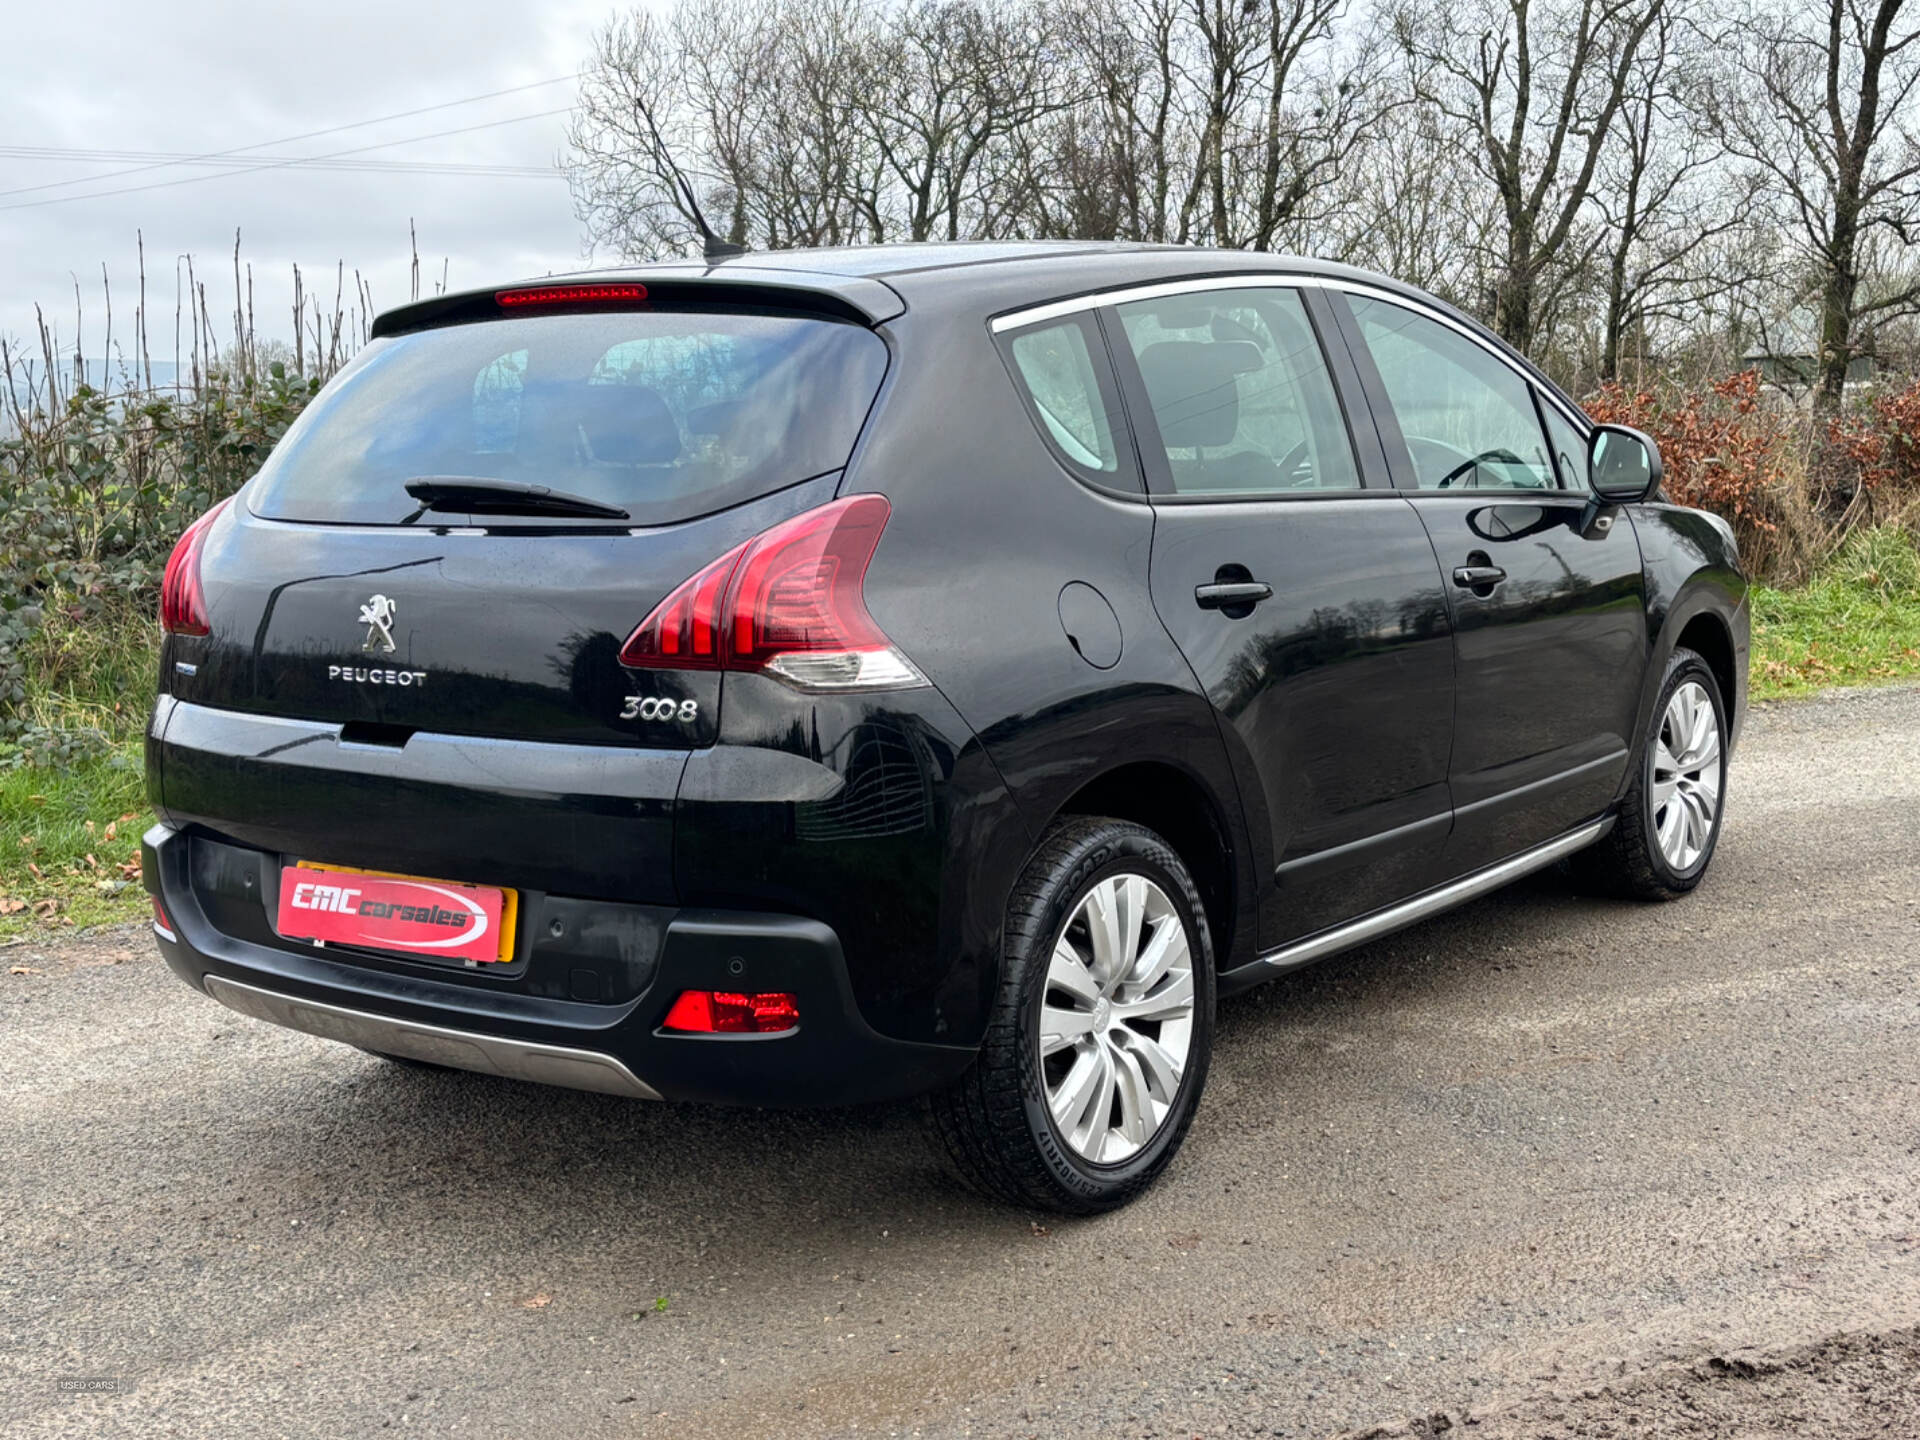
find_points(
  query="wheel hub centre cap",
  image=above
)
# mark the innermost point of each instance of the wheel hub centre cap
(1102, 1013)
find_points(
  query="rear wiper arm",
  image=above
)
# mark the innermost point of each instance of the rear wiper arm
(477, 495)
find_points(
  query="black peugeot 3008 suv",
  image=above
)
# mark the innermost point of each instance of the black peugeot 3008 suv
(916, 671)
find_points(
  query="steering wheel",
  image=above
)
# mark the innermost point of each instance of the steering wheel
(1499, 455)
(1290, 462)
(1463, 462)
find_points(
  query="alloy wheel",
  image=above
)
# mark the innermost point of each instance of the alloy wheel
(1686, 776)
(1116, 1019)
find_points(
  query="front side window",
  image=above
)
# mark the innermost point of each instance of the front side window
(1240, 393)
(1569, 450)
(1467, 417)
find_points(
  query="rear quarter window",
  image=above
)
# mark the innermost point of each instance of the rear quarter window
(1063, 377)
(666, 414)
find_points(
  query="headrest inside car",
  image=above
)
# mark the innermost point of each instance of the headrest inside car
(628, 425)
(1193, 387)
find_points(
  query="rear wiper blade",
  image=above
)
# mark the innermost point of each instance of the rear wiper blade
(477, 495)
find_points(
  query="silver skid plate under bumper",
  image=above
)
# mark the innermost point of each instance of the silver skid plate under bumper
(460, 1049)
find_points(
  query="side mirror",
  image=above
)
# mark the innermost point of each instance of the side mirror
(1623, 465)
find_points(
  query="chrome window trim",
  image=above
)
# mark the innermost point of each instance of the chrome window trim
(1278, 279)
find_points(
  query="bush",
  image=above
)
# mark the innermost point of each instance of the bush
(1883, 560)
(93, 493)
(1727, 451)
(1882, 440)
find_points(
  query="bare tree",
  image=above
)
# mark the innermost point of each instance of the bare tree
(1123, 156)
(1673, 216)
(937, 90)
(633, 142)
(1818, 98)
(1222, 122)
(1533, 87)
(1410, 211)
(1582, 173)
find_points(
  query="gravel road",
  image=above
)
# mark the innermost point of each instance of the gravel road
(1563, 1166)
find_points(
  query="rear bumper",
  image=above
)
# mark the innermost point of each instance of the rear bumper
(463, 1049)
(513, 1027)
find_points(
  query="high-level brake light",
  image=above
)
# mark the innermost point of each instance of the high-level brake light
(183, 605)
(787, 602)
(541, 297)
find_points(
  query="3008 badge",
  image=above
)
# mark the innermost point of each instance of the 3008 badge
(660, 707)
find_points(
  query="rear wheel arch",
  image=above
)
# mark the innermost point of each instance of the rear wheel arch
(1177, 807)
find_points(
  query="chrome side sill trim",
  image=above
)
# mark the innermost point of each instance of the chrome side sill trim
(461, 1049)
(1409, 912)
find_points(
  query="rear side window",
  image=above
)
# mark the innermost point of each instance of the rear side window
(1240, 393)
(666, 414)
(1071, 396)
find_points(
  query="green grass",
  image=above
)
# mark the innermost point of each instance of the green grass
(67, 838)
(1857, 624)
(1826, 635)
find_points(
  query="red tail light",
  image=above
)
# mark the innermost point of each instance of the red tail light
(183, 607)
(787, 601)
(540, 297)
(722, 1012)
(162, 926)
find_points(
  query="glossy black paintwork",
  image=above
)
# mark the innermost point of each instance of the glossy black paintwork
(578, 819)
(834, 1058)
(879, 816)
(510, 632)
(586, 951)
(987, 530)
(1694, 585)
(1544, 723)
(1361, 735)
(1353, 790)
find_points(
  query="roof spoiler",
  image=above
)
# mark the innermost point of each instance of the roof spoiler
(858, 298)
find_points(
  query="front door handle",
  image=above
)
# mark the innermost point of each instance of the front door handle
(1477, 577)
(1225, 595)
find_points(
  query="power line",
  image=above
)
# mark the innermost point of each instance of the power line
(274, 165)
(163, 157)
(295, 139)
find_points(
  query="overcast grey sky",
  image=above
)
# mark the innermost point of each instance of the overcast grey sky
(200, 76)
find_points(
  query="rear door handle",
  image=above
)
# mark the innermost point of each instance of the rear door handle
(1221, 595)
(1474, 577)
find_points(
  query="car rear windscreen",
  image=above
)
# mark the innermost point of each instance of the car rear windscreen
(666, 414)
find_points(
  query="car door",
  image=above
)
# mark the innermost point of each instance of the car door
(1547, 596)
(1301, 588)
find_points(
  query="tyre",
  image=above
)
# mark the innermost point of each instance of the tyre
(1097, 1047)
(1670, 817)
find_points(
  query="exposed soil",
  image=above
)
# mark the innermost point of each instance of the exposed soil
(1851, 1387)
